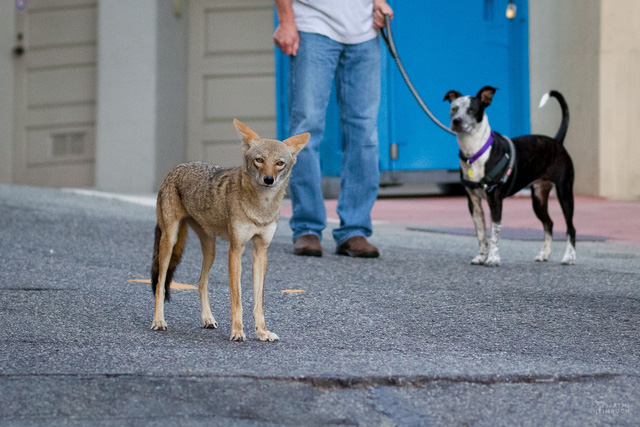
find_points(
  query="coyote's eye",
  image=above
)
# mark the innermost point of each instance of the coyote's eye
(259, 160)
(280, 163)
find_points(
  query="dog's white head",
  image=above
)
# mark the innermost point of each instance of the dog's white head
(467, 112)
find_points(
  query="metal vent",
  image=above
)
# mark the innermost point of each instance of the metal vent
(68, 144)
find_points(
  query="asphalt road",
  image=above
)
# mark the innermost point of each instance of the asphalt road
(417, 337)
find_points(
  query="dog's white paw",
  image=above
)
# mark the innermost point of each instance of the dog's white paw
(492, 261)
(542, 257)
(479, 260)
(209, 323)
(238, 336)
(569, 257)
(159, 325)
(267, 336)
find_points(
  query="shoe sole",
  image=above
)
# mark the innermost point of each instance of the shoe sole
(373, 254)
(307, 252)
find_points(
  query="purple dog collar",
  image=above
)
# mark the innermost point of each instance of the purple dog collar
(476, 156)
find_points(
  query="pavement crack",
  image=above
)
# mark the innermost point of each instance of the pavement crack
(355, 382)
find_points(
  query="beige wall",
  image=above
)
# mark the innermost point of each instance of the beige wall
(590, 51)
(564, 44)
(620, 99)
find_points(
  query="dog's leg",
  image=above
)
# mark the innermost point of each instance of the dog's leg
(477, 214)
(259, 270)
(495, 205)
(565, 196)
(235, 271)
(208, 246)
(540, 199)
(167, 241)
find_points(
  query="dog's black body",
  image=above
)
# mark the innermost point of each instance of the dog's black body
(540, 162)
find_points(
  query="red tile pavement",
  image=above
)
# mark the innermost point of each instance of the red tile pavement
(615, 220)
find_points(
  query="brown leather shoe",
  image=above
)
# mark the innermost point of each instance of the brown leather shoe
(357, 246)
(307, 245)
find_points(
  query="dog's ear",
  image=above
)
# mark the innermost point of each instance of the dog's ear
(452, 95)
(297, 143)
(248, 136)
(485, 95)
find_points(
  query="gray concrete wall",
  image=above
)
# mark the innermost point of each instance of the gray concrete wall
(619, 114)
(141, 94)
(171, 126)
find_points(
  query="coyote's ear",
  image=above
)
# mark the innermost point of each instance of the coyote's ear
(248, 136)
(297, 143)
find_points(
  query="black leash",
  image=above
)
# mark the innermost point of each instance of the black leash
(387, 36)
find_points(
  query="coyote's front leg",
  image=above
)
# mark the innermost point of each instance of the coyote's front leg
(235, 271)
(259, 271)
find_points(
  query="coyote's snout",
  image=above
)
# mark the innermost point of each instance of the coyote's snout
(237, 204)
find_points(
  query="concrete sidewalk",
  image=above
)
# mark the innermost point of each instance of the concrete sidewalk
(600, 219)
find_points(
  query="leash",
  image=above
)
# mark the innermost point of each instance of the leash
(387, 37)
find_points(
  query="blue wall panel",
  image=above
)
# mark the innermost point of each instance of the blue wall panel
(462, 45)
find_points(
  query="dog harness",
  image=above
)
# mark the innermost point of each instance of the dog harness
(500, 172)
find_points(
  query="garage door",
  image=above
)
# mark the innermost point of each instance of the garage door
(56, 93)
(231, 75)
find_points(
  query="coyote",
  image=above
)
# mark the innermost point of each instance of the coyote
(237, 204)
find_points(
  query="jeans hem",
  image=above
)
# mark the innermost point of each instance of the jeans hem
(299, 234)
(350, 235)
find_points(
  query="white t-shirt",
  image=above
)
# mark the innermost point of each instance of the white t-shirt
(345, 21)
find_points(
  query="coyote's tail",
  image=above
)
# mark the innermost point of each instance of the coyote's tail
(564, 125)
(176, 256)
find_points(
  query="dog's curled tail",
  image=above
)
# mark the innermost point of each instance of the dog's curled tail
(176, 256)
(564, 125)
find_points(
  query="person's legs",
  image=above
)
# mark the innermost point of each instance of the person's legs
(311, 75)
(358, 89)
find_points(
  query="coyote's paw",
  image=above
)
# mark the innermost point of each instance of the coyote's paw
(238, 336)
(209, 323)
(267, 336)
(159, 325)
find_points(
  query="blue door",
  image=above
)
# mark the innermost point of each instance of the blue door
(444, 45)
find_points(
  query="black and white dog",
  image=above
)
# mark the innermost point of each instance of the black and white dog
(493, 167)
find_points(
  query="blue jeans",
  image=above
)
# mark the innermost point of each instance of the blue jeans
(356, 71)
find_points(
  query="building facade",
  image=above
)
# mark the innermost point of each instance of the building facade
(111, 94)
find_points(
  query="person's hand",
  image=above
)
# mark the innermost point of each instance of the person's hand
(380, 9)
(286, 37)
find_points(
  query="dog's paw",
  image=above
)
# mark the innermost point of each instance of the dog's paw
(569, 257)
(542, 257)
(209, 323)
(479, 260)
(238, 336)
(492, 261)
(267, 336)
(159, 325)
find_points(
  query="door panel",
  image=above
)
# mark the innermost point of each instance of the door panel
(460, 45)
(56, 93)
(231, 75)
